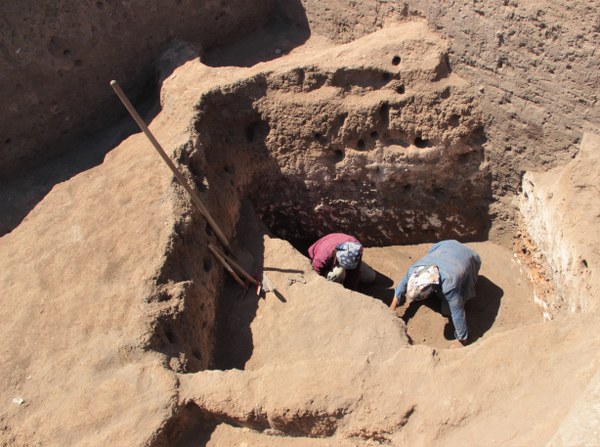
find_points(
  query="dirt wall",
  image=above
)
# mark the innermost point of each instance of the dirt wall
(558, 208)
(374, 132)
(534, 62)
(57, 58)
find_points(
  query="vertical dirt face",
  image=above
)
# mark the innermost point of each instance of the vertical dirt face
(558, 210)
(534, 63)
(372, 143)
(58, 57)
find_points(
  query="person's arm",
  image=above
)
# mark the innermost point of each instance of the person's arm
(399, 292)
(457, 311)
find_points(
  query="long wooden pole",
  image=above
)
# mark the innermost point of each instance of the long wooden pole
(195, 198)
(223, 262)
(234, 264)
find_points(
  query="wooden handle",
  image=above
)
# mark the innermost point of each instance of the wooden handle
(227, 267)
(195, 198)
(235, 265)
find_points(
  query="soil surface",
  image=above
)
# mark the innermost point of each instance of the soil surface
(504, 294)
(504, 300)
(315, 350)
(121, 328)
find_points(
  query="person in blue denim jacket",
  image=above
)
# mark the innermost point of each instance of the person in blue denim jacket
(449, 270)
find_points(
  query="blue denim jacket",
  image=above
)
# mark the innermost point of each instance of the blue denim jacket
(459, 267)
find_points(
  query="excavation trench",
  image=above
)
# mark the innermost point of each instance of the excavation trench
(302, 152)
(391, 149)
(344, 116)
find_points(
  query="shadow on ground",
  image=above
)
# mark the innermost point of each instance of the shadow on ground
(381, 289)
(286, 30)
(21, 195)
(483, 309)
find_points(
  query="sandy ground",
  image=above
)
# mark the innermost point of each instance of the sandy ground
(504, 299)
(100, 326)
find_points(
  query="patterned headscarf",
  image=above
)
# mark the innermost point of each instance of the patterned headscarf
(421, 282)
(348, 254)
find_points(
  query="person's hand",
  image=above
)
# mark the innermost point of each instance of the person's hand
(337, 275)
(397, 302)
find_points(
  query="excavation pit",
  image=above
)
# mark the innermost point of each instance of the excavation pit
(393, 153)
(395, 123)
(300, 163)
(332, 146)
(504, 301)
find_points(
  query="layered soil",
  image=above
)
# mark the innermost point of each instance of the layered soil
(402, 123)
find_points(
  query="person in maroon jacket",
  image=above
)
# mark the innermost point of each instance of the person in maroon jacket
(338, 256)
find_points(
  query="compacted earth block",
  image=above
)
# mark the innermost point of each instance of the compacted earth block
(402, 123)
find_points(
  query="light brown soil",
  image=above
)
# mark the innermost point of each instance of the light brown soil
(318, 350)
(402, 124)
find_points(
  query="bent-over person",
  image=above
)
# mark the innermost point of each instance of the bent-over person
(449, 270)
(338, 257)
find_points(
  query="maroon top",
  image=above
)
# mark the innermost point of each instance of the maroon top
(322, 254)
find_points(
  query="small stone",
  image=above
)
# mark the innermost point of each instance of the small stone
(18, 400)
